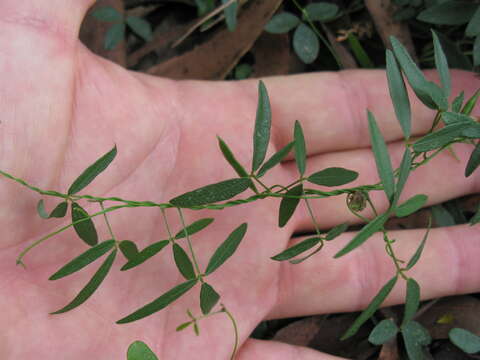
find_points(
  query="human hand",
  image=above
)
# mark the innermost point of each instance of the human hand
(62, 107)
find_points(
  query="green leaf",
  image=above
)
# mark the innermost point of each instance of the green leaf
(159, 303)
(275, 159)
(415, 336)
(442, 216)
(223, 190)
(305, 44)
(416, 256)
(92, 171)
(473, 161)
(452, 118)
(367, 231)
(360, 54)
(382, 158)
(194, 228)
(183, 262)
(458, 102)
(85, 229)
(437, 95)
(472, 131)
(336, 231)
(475, 218)
(230, 13)
(383, 332)
(414, 76)
(114, 36)
(129, 249)
(470, 104)
(411, 205)
(282, 23)
(371, 308)
(300, 150)
(448, 13)
(242, 71)
(208, 298)
(442, 66)
(83, 259)
(263, 122)
(108, 14)
(398, 94)
(183, 325)
(297, 249)
(412, 301)
(321, 11)
(455, 55)
(404, 172)
(288, 205)
(140, 27)
(333, 176)
(465, 340)
(473, 27)
(145, 254)
(476, 51)
(226, 249)
(59, 211)
(91, 286)
(228, 154)
(140, 351)
(440, 137)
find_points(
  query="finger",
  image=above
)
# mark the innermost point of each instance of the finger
(440, 179)
(449, 265)
(273, 350)
(60, 18)
(332, 107)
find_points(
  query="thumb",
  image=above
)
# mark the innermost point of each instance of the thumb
(58, 17)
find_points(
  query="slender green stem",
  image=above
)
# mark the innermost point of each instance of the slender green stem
(46, 237)
(189, 242)
(235, 329)
(107, 222)
(391, 253)
(164, 215)
(267, 189)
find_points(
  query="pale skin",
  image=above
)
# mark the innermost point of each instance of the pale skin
(62, 107)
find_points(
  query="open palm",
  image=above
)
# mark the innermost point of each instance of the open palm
(63, 107)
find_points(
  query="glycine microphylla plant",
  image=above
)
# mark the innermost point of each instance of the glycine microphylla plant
(451, 124)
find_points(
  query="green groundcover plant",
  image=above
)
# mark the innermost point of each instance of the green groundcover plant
(452, 124)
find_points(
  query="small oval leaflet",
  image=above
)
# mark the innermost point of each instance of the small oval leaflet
(297, 249)
(220, 191)
(465, 340)
(289, 204)
(86, 228)
(371, 308)
(140, 351)
(159, 303)
(333, 176)
(145, 254)
(92, 171)
(208, 298)
(183, 262)
(321, 11)
(83, 259)
(226, 249)
(58, 212)
(415, 336)
(91, 286)
(305, 44)
(194, 228)
(230, 13)
(282, 23)
(383, 332)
